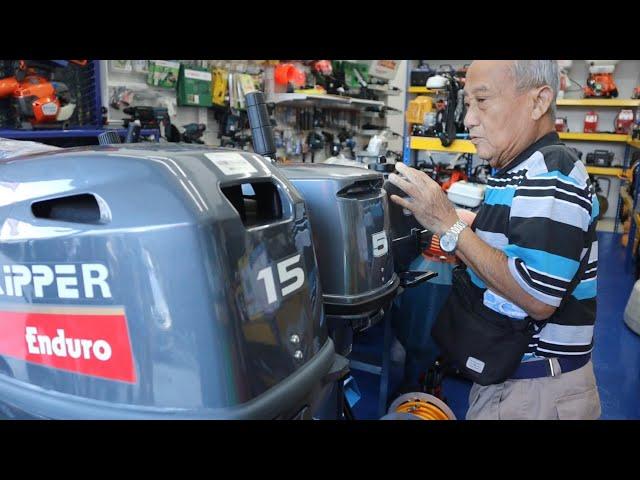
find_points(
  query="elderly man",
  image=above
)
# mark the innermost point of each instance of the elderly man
(527, 242)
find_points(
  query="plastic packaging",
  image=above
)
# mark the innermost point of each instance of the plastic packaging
(466, 193)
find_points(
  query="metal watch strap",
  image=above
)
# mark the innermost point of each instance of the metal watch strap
(457, 227)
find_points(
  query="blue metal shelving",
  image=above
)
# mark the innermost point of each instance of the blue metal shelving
(71, 133)
(89, 114)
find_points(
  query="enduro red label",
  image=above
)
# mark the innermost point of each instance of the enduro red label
(90, 341)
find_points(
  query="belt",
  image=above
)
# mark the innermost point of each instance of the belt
(546, 368)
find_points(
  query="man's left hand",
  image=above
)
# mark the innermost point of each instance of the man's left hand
(426, 200)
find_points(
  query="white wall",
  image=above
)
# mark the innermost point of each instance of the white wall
(396, 122)
(137, 81)
(185, 115)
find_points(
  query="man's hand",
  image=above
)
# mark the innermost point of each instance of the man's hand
(427, 201)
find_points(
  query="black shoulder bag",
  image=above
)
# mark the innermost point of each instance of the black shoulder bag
(485, 345)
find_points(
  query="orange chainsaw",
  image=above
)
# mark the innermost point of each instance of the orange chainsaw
(36, 98)
(600, 83)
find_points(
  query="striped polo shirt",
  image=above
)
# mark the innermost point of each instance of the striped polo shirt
(540, 210)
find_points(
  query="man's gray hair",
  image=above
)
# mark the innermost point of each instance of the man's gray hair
(537, 73)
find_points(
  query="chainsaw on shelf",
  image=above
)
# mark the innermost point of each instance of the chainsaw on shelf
(36, 99)
(600, 83)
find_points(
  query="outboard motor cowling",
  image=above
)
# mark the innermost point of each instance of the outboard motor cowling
(157, 281)
(350, 222)
(409, 238)
(354, 226)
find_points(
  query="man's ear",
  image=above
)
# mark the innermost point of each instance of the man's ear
(542, 98)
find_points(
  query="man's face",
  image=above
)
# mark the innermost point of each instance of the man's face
(498, 117)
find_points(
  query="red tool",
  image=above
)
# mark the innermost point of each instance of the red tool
(36, 98)
(624, 121)
(456, 175)
(600, 85)
(7, 86)
(600, 82)
(286, 73)
(561, 124)
(591, 122)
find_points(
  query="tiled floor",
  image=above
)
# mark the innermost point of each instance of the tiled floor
(616, 355)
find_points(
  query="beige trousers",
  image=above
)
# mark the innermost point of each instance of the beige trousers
(568, 396)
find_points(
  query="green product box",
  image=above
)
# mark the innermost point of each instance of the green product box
(163, 73)
(351, 79)
(194, 87)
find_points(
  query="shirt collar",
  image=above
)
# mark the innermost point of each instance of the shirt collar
(550, 138)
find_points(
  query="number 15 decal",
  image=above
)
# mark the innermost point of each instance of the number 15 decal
(380, 243)
(286, 272)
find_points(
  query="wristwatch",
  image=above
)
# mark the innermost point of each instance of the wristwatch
(449, 240)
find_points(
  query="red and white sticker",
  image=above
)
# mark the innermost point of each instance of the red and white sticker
(87, 340)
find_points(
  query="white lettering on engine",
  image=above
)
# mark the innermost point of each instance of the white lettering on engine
(60, 346)
(67, 284)
(8, 285)
(43, 279)
(68, 281)
(99, 281)
(21, 278)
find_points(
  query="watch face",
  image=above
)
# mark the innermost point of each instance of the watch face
(448, 242)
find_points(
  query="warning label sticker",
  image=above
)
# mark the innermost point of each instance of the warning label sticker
(231, 163)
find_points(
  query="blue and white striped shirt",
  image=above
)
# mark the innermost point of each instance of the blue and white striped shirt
(538, 210)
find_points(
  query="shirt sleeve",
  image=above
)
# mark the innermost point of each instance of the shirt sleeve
(548, 227)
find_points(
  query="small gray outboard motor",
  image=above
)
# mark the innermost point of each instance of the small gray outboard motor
(350, 221)
(158, 281)
(355, 243)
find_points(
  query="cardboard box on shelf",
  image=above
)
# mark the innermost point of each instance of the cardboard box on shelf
(194, 87)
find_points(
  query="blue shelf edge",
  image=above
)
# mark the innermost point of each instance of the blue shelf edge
(72, 133)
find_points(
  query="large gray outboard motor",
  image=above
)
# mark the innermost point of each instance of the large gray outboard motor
(149, 281)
